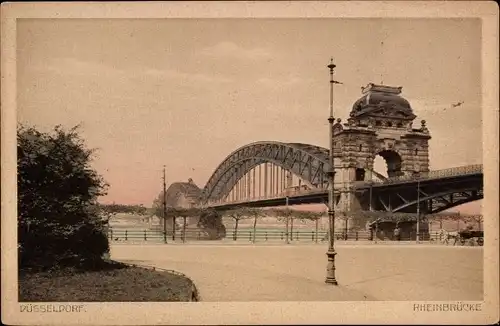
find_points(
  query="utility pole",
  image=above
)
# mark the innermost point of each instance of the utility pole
(164, 206)
(330, 268)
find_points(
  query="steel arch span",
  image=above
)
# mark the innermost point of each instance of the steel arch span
(308, 162)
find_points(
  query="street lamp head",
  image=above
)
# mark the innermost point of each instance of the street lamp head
(331, 65)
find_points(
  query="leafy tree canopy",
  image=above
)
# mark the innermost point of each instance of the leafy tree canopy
(59, 220)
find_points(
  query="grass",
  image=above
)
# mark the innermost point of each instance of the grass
(114, 282)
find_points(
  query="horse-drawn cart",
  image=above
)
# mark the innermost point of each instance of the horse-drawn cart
(471, 236)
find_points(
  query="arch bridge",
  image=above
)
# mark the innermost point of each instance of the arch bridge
(380, 123)
(266, 174)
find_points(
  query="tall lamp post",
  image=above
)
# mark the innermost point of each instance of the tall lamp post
(330, 268)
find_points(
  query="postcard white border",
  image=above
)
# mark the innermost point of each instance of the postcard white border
(258, 312)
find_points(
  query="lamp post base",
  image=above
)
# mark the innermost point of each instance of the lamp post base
(330, 268)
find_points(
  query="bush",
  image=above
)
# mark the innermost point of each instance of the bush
(59, 221)
(211, 222)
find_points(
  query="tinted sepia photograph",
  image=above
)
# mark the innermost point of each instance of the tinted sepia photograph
(249, 160)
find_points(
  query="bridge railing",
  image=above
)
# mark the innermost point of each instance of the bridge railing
(260, 236)
(436, 174)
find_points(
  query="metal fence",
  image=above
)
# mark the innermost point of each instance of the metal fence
(264, 236)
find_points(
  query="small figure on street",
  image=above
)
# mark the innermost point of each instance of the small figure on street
(397, 233)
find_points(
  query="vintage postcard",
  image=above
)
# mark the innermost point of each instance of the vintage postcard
(250, 163)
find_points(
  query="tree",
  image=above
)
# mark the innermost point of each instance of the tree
(439, 218)
(184, 213)
(457, 218)
(157, 207)
(157, 210)
(236, 214)
(311, 216)
(106, 213)
(475, 219)
(443, 216)
(291, 214)
(286, 214)
(255, 213)
(59, 220)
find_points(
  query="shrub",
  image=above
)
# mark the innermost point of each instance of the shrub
(59, 221)
(211, 222)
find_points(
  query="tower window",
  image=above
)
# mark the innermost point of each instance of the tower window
(389, 124)
(378, 123)
(360, 147)
(360, 174)
(400, 125)
(416, 151)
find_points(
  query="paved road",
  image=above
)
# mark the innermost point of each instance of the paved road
(296, 272)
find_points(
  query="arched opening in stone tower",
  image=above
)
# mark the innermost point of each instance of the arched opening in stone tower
(392, 162)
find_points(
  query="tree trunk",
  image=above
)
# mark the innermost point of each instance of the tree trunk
(346, 228)
(184, 229)
(286, 231)
(235, 235)
(291, 228)
(164, 219)
(173, 228)
(317, 222)
(254, 228)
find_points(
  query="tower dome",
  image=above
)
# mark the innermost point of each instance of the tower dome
(382, 100)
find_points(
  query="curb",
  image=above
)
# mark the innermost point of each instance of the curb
(194, 295)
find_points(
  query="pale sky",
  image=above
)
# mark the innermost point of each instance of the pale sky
(185, 93)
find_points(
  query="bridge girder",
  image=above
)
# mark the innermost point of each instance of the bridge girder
(430, 203)
(456, 203)
(435, 194)
(444, 200)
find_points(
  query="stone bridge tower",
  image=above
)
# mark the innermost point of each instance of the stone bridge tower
(380, 123)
